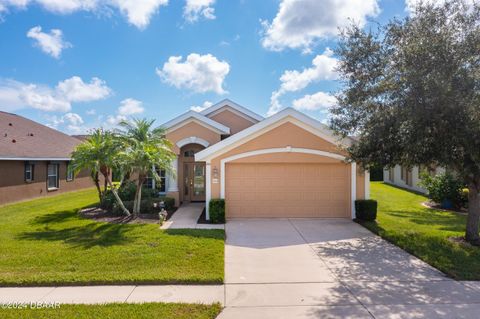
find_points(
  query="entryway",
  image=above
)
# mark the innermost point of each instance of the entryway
(191, 174)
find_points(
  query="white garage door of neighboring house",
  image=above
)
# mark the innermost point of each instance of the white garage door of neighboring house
(287, 190)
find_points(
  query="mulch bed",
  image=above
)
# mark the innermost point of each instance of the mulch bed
(102, 215)
(433, 205)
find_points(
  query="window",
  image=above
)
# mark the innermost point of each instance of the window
(52, 176)
(150, 182)
(29, 172)
(189, 153)
(70, 175)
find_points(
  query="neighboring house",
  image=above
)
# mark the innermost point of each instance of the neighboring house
(408, 178)
(34, 160)
(286, 165)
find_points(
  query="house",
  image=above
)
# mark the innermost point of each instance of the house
(408, 178)
(34, 160)
(286, 165)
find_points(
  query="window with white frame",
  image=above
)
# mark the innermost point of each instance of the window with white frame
(52, 176)
(29, 172)
(159, 185)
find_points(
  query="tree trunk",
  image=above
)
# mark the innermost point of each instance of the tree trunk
(138, 196)
(473, 218)
(96, 181)
(119, 200)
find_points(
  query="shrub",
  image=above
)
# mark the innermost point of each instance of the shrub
(366, 209)
(146, 207)
(216, 208)
(126, 193)
(444, 189)
(169, 201)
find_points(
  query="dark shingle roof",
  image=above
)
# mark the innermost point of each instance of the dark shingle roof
(24, 138)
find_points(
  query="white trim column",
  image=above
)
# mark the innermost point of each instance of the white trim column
(354, 188)
(367, 185)
(208, 188)
(173, 178)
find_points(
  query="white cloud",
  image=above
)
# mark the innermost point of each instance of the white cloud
(323, 68)
(75, 90)
(51, 43)
(199, 73)
(200, 108)
(130, 106)
(300, 23)
(127, 107)
(314, 102)
(137, 12)
(16, 95)
(195, 9)
(91, 112)
(71, 122)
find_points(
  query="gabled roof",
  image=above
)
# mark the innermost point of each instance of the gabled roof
(24, 139)
(237, 107)
(286, 115)
(192, 116)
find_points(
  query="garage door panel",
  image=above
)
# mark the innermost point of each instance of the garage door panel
(287, 190)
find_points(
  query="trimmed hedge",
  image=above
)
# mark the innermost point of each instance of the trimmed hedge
(146, 206)
(217, 210)
(366, 209)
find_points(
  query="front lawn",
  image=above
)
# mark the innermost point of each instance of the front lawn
(124, 311)
(424, 232)
(45, 242)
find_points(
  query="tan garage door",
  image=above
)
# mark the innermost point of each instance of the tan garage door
(287, 190)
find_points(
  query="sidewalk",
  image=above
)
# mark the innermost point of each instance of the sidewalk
(186, 217)
(205, 294)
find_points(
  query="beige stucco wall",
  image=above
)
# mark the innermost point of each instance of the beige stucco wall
(13, 188)
(192, 129)
(235, 122)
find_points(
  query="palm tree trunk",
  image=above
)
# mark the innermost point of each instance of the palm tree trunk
(97, 185)
(473, 218)
(138, 196)
(115, 193)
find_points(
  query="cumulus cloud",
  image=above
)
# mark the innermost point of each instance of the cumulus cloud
(196, 9)
(127, 108)
(199, 73)
(51, 43)
(323, 68)
(137, 12)
(16, 95)
(130, 106)
(200, 108)
(300, 23)
(314, 102)
(71, 122)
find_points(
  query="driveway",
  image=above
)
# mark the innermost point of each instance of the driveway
(332, 268)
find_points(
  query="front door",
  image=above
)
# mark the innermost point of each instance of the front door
(194, 182)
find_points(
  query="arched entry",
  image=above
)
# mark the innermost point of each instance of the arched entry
(191, 174)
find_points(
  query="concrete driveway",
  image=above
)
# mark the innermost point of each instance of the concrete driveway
(332, 268)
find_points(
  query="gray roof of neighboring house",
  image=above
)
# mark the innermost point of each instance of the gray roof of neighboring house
(23, 138)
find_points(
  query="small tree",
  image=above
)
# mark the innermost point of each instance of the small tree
(99, 153)
(146, 150)
(412, 94)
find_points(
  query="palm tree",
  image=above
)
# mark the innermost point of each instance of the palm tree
(146, 150)
(100, 153)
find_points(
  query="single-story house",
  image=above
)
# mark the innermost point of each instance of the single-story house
(34, 160)
(286, 165)
(408, 178)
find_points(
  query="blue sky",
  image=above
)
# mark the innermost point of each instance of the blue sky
(106, 60)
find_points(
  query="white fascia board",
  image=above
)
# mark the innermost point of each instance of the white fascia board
(199, 117)
(35, 158)
(287, 115)
(233, 105)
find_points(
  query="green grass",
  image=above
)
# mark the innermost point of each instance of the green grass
(45, 242)
(124, 311)
(424, 232)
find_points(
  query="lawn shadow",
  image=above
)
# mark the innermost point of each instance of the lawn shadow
(85, 235)
(198, 233)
